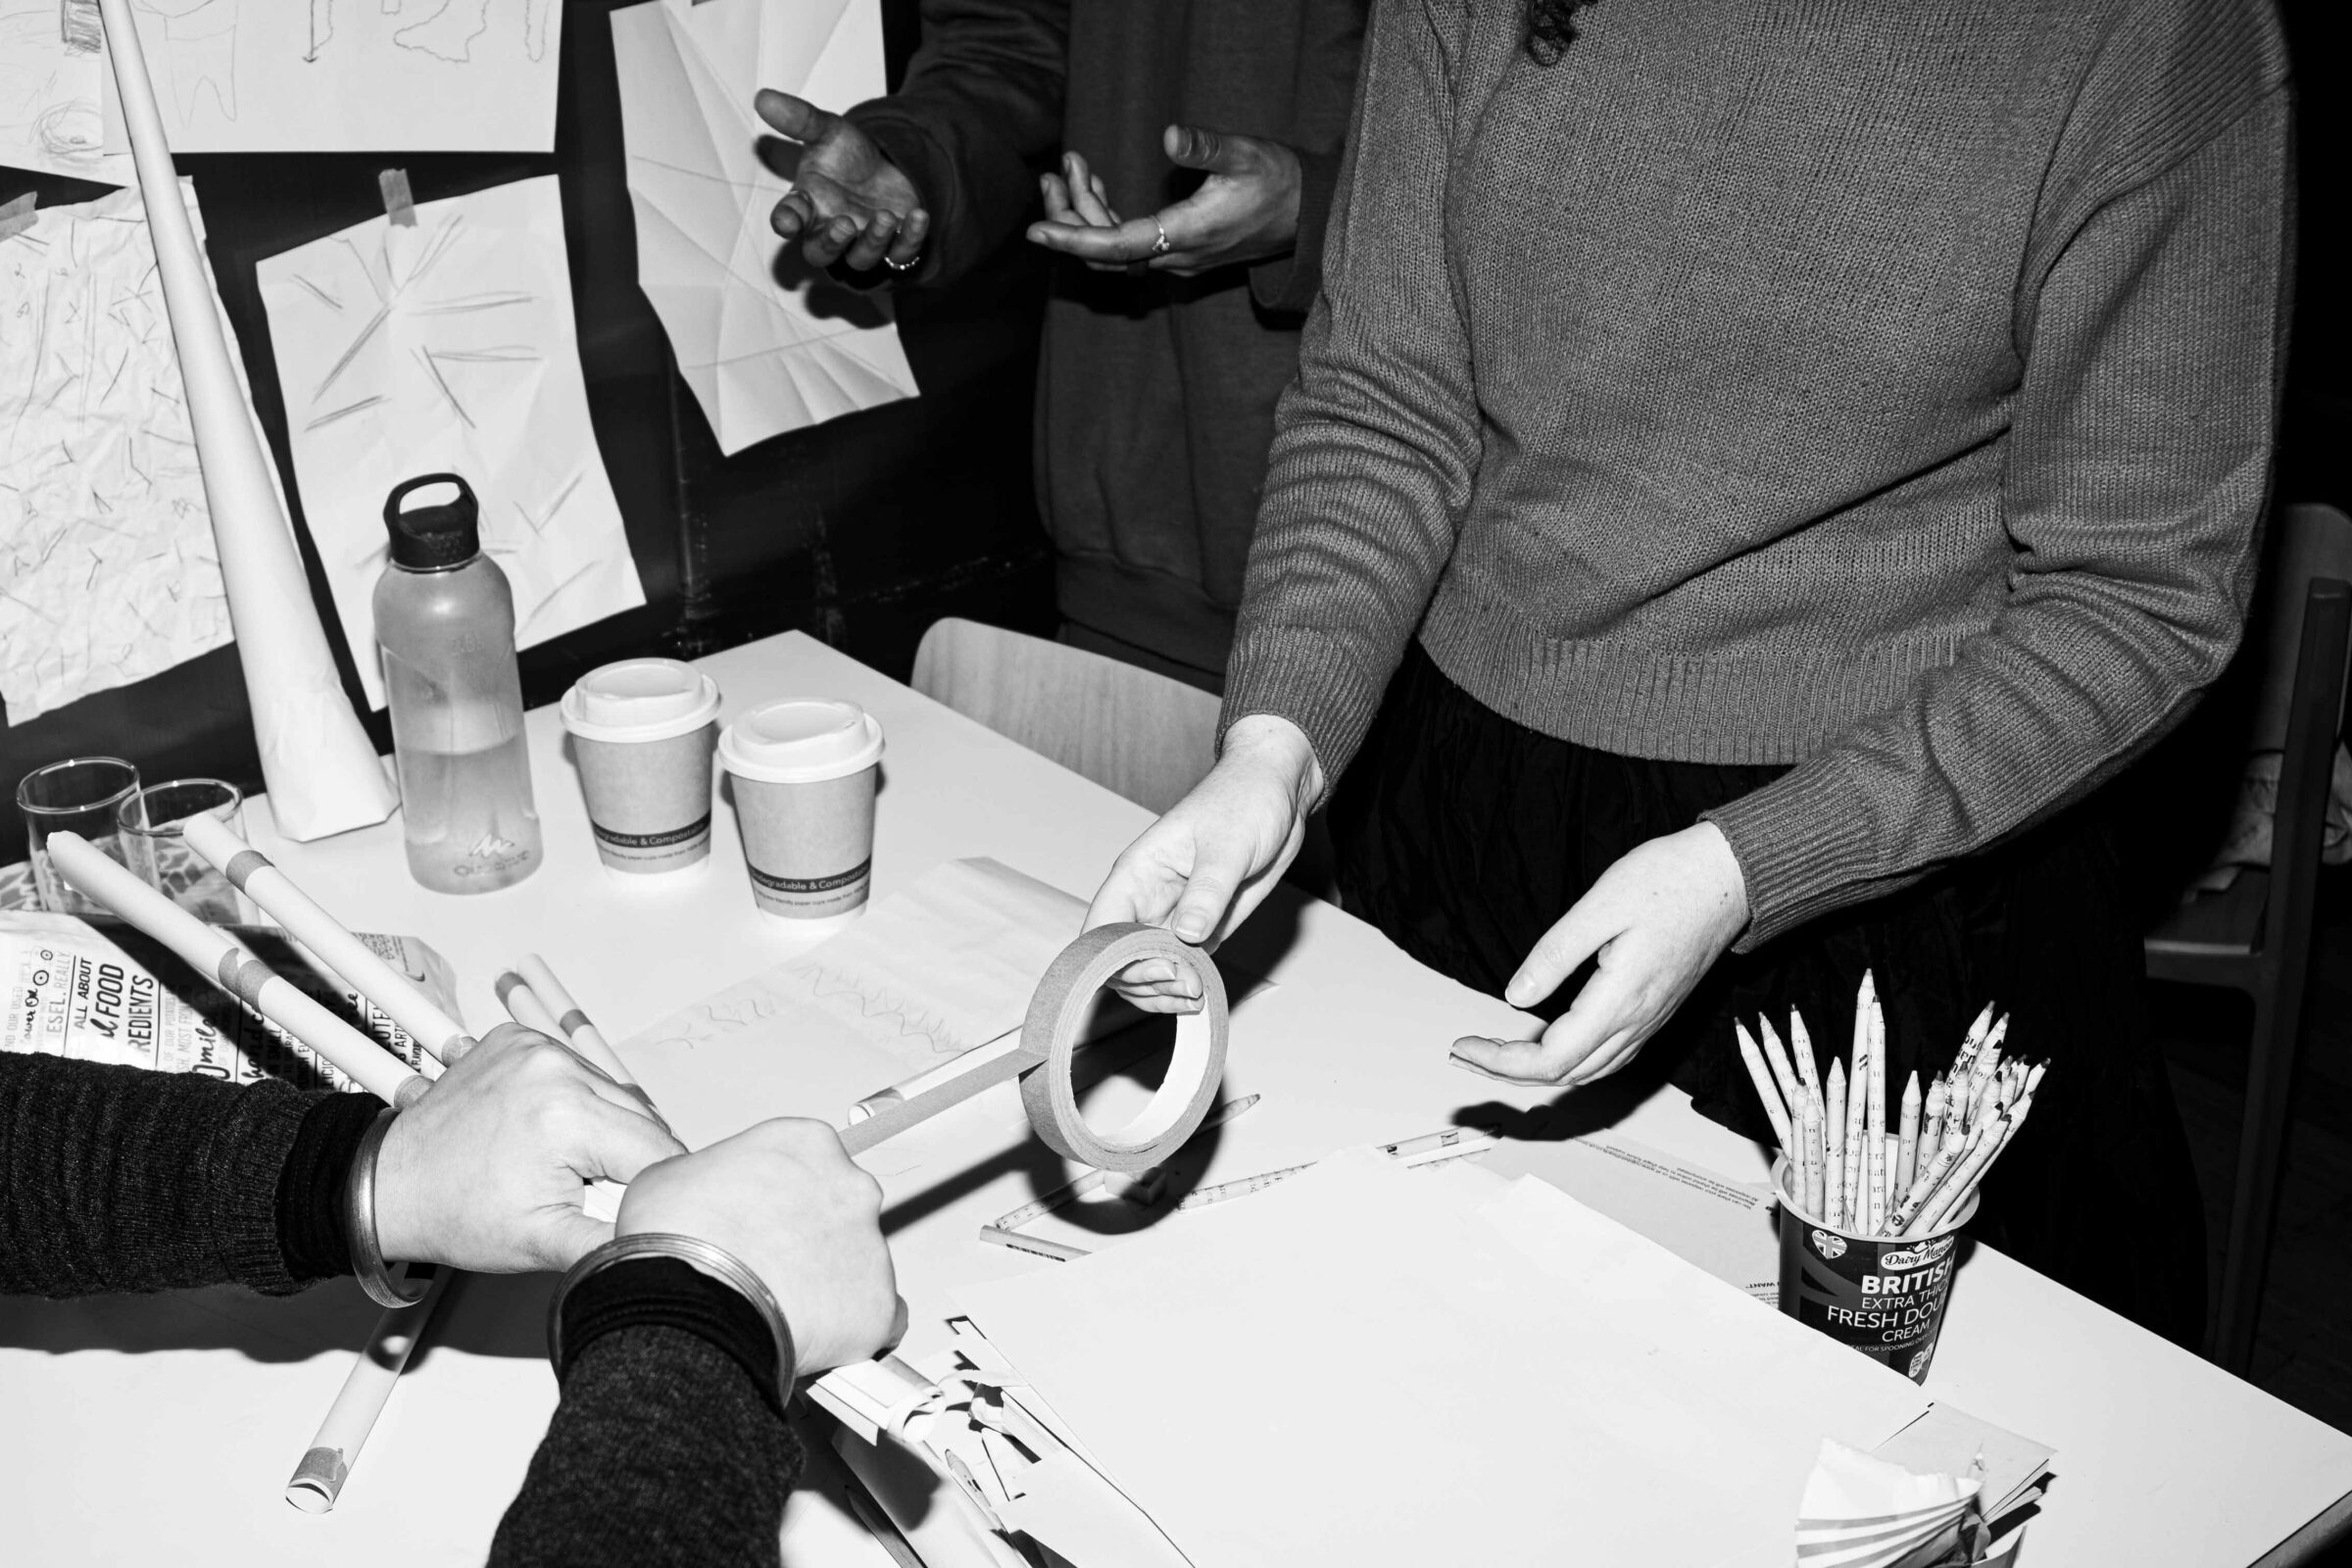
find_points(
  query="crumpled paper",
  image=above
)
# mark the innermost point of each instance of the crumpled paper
(1865, 1513)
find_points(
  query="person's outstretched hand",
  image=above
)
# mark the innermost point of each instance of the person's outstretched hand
(1201, 869)
(485, 1171)
(1246, 211)
(785, 1199)
(849, 203)
(1656, 921)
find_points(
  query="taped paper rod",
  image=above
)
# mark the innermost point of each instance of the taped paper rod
(323, 776)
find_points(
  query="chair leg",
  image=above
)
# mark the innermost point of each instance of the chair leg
(2261, 1159)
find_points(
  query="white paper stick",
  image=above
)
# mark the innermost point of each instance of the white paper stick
(323, 776)
(318, 1480)
(1815, 1166)
(308, 922)
(1776, 1057)
(1906, 1132)
(1946, 1200)
(1835, 1142)
(220, 960)
(585, 1037)
(1774, 1112)
(523, 1006)
(1800, 1046)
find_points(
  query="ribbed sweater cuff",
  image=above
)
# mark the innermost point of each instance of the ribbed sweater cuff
(249, 1157)
(313, 1237)
(1804, 846)
(1310, 678)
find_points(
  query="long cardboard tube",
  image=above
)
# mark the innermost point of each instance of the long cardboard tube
(220, 960)
(319, 1479)
(308, 922)
(322, 774)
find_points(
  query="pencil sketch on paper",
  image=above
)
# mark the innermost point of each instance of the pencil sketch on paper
(448, 346)
(50, 67)
(348, 76)
(107, 567)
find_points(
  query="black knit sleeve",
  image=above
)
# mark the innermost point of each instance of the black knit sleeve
(116, 1178)
(668, 1446)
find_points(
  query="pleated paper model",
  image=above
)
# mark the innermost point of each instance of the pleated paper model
(766, 345)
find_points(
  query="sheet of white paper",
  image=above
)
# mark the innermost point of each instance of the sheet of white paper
(1949, 1439)
(1356, 1367)
(1722, 1226)
(449, 346)
(946, 964)
(764, 355)
(349, 75)
(51, 62)
(108, 572)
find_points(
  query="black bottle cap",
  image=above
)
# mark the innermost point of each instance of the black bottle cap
(434, 536)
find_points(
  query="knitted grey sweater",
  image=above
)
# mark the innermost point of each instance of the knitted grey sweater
(1884, 389)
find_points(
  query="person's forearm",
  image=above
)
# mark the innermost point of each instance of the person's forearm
(2137, 472)
(979, 113)
(119, 1179)
(667, 1448)
(1377, 440)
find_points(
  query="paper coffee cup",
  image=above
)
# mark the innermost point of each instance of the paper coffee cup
(641, 731)
(1883, 1297)
(805, 773)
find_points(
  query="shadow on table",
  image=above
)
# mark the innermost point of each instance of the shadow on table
(480, 1314)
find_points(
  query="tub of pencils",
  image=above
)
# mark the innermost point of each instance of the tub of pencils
(1871, 1214)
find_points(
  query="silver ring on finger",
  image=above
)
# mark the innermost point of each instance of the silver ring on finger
(1159, 246)
(900, 267)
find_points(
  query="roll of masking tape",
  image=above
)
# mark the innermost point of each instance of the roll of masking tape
(1050, 1039)
(1057, 1023)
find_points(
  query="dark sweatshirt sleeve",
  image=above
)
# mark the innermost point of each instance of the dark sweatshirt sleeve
(2138, 467)
(1285, 284)
(979, 113)
(114, 1178)
(670, 1446)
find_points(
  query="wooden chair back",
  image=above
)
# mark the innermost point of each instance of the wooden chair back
(1137, 733)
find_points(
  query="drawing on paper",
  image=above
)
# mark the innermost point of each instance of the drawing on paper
(108, 573)
(50, 70)
(333, 76)
(448, 346)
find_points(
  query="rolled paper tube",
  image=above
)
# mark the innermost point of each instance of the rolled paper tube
(318, 1480)
(1774, 1112)
(1833, 1114)
(308, 922)
(586, 1039)
(1973, 1041)
(1800, 1046)
(1050, 1039)
(1815, 1158)
(1874, 1186)
(1906, 1132)
(1877, 1063)
(1924, 1189)
(323, 776)
(234, 970)
(1776, 1057)
(1956, 1188)
(523, 1006)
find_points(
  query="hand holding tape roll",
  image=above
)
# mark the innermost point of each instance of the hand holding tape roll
(1050, 1038)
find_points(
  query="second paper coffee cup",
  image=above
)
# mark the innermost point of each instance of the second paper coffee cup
(641, 731)
(805, 772)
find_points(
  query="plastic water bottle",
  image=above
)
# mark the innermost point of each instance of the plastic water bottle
(445, 625)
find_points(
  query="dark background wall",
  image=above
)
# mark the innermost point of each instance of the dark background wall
(863, 530)
(860, 531)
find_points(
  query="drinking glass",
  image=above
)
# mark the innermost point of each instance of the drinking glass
(154, 846)
(81, 793)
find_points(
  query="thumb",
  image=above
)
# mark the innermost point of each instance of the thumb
(618, 1143)
(567, 1235)
(1191, 147)
(1217, 877)
(796, 118)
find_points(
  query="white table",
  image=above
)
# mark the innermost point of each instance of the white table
(140, 1429)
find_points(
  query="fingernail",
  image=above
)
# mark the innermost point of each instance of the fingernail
(1192, 928)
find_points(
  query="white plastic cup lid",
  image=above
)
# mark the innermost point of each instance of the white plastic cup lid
(639, 700)
(800, 741)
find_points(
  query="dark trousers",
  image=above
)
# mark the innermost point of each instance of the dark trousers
(1464, 836)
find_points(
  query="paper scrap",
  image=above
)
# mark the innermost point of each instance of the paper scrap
(51, 64)
(767, 345)
(349, 75)
(1865, 1513)
(448, 345)
(946, 964)
(1701, 1216)
(108, 571)
(1246, 1374)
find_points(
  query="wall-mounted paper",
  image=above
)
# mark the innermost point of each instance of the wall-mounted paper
(351, 76)
(763, 353)
(52, 65)
(108, 568)
(449, 346)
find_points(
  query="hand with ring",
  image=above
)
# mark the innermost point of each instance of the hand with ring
(1246, 211)
(849, 203)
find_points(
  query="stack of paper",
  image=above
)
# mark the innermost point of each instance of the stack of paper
(1373, 1365)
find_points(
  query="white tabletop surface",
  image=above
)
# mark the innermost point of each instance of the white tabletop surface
(140, 1429)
